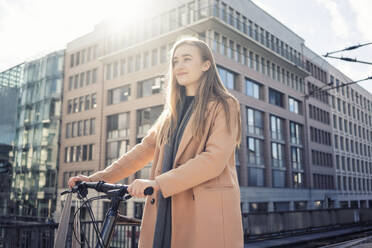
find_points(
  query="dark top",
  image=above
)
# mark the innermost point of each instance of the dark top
(163, 226)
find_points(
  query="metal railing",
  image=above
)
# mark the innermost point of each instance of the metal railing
(42, 235)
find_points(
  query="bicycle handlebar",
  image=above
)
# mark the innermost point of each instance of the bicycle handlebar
(103, 187)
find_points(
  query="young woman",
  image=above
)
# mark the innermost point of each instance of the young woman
(196, 199)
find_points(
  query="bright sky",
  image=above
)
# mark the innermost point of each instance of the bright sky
(32, 28)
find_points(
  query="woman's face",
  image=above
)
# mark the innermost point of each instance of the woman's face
(188, 67)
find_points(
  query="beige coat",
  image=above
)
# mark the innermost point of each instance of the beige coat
(203, 184)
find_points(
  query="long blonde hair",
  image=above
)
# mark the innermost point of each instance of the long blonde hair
(209, 88)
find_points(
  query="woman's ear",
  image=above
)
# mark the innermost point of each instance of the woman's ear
(206, 66)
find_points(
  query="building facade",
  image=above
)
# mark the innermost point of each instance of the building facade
(9, 89)
(291, 157)
(33, 192)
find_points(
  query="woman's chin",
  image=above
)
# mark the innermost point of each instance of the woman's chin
(183, 83)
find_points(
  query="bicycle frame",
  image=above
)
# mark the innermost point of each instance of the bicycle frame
(116, 193)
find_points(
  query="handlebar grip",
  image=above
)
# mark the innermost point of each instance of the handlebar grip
(149, 191)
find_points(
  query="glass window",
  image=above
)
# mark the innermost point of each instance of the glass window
(278, 178)
(296, 133)
(87, 80)
(294, 105)
(297, 158)
(254, 122)
(227, 77)
(277, 155)
(253, 89)
(118, 95)
(256, 176)
(150, 86)
(255, 151)
(94, 100)
(94, 75)
(118, 125)
(277, 127)
(146, 118)
(276, 97)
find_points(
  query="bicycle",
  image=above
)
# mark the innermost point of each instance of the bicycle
(116, 193)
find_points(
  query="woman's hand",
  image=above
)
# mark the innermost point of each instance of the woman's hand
(138, 186)
(72, 181)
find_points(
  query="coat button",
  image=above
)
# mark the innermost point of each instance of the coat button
(152, 200)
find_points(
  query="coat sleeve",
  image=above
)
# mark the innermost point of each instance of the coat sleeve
(130, 162)
(220, 146)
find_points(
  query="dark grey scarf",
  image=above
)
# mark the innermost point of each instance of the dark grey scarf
(163, 228)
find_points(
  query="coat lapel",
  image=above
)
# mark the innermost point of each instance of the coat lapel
(185, 139)
(187, 134)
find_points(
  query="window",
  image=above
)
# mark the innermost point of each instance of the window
(87, 80)
(118, 95)
(296, 133)
(231, 50)
(80, 128)
(296, 158)
(93, 102)
(216, 40)
(253, 89)
(118, 125)
(298, 180)
(259, 207)
(75, 106)
(277, 155)
(281, 206)
(81, 103)
(277, 127)
(276, 98)
(68, 130)
(278, 178)
(150, 86)
(256, 177)
(82, 76)
(85, 153)
(94, 76)
(255, 151)
(76, 81)
(86, 127)
(72, 60)
(227, 77)
(146, 118)
(92, 129)
(224, 46)
(69, 107)
(70, 82)
(254, 122)
(90, 154)
(87, 102)
(294, 105)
